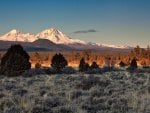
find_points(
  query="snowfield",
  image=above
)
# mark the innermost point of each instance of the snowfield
(110, 92)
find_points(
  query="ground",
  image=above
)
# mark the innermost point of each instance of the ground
(110, 92)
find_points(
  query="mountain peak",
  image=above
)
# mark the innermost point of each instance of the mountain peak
(13, 31)
(15, 35)
(50, 31)
(55, 36)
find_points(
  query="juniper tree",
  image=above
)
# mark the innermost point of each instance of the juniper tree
(59, 62)
(83, 66)
(15, 61)
(133, 63)
(122, 64)
(94, 66)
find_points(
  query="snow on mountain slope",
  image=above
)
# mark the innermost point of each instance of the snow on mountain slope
(15, 35)
(108, 45)
(51, 34)
(56, 37)
(112, 46)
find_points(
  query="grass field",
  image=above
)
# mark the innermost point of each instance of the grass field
(110, 92)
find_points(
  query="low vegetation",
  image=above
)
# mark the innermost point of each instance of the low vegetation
(63, 89)
(110, 92)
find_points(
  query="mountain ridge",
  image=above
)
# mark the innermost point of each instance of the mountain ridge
(54, 36)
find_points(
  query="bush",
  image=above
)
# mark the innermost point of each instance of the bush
(94, 71)
(95, 105)
(32, 72)
(133, 64)
(59, 62)
(20, 92)
(122, 64)
(52, 102)
(37, 65)
(64, 109)
(109, 69)
(75, 94)
(13, 110)
(90, 81)
(94, 66)
(50, 71)
(6, 105)
(40, 109)
(68, 70)
(15, 61)
(83, 66)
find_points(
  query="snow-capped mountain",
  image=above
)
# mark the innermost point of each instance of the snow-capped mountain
(108, 45)
(15, 35)
(56, 37)
(51, 34)
(112, 46)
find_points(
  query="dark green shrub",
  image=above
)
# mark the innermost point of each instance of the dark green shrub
(94, 66)
(33, 72)
(37, 65)
(15, 61)
(59, 62)
(83, 66)
(122, 64)
(68, 70)
(133, 64)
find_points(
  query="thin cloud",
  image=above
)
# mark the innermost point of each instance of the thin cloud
(86, 31)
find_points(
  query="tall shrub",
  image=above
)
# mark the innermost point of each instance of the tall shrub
(15, 61)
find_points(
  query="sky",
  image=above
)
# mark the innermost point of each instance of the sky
(117, 22)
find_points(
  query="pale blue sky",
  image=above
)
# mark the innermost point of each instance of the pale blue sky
(118, 22)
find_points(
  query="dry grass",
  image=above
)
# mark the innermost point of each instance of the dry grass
(124, 93)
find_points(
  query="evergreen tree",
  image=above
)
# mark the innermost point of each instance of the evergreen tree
(133, 63)
(15, 61)
(83, 66)
(122, 64)
(94, 65)
(59, 62)
(87, 66)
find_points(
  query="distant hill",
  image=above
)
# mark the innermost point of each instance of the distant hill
(38, 45)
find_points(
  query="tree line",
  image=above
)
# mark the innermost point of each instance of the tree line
(102, 58)
(16, 60)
